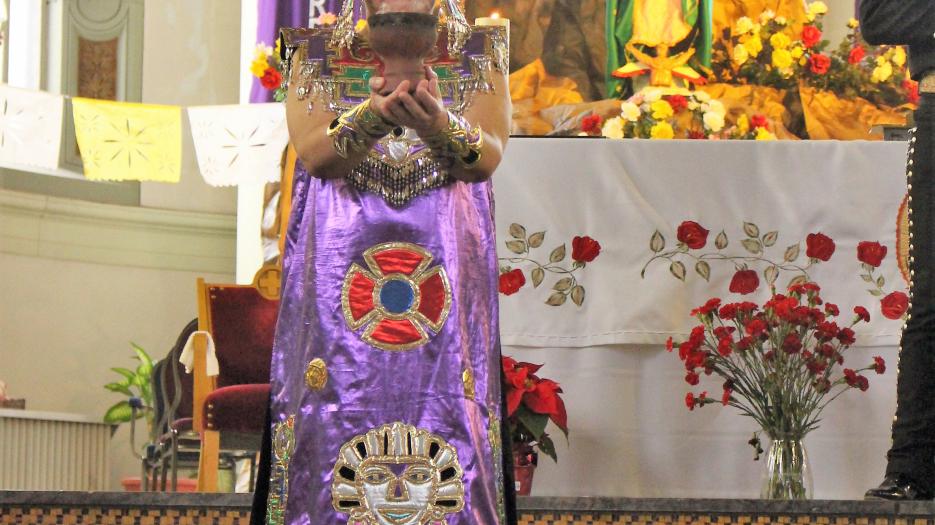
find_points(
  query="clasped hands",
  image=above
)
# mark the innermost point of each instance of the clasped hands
(420, 109)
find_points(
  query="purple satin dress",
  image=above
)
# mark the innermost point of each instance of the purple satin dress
(386, 400)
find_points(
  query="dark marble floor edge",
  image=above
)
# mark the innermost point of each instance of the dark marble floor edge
(241, 502)
(153, 500)
(724, 506)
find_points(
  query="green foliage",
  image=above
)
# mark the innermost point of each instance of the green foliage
(133, 383)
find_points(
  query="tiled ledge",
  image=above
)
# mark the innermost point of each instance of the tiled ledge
(598, 505)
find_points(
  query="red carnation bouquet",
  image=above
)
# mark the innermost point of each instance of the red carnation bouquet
(779, 365)
(532, 402)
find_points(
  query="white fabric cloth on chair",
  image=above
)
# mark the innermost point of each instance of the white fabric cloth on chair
(188, 354)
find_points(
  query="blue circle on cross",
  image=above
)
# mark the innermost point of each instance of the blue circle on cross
(397, 296)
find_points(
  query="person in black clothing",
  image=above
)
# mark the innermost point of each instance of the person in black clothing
(910, 471)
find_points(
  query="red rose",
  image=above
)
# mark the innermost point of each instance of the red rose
(759, 121)
(511, 281)
(879, 365)
(832, 310)
(678, 102)
(271, 78)
(811, 36)
(819, 246)
(894, 305)
(585, 249)
(819, 64)
(856, 55)
(690, 401)
(862, 314)
(591, 124)
(692, 235)
(912, 91)
(871, 253)
(744, 282)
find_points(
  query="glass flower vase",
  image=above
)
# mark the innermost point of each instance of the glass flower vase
(787, 475)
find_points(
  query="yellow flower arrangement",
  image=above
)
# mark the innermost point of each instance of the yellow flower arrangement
(743, 26)
(740, 55)
(780, 41)
(882, 72)
(764, 134)
(899, 56)
(754, 45)
(815, 9)
(661, 110)
(743, 124)
(651, 114)
(662, 130)
(782, 58)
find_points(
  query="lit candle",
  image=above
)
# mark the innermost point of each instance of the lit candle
(495, 20)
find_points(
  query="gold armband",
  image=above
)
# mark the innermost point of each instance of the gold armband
(458, 143)
(358, 129)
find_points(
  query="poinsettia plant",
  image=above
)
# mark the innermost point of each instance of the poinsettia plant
(532, 402)
(779, 362)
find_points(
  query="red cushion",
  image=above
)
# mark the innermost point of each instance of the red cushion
(243, 323)
(239, 408)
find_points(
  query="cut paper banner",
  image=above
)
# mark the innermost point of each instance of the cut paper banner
(30, 128)
(239, 144)
(128, 141)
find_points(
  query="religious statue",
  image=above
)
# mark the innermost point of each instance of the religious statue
(659, 38)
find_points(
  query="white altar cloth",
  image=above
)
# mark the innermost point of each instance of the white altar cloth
(631, 434)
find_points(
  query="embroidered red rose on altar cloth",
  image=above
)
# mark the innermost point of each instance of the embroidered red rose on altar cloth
(584, 249)
(512, 281)
(744, 282)
(871, 253)
(819, 246)
(396, 297)
(894, 305)
(692, 234)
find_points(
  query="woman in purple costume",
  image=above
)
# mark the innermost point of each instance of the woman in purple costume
(386, 405)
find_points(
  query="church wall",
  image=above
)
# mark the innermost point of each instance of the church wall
(80, 280)
(191, 56)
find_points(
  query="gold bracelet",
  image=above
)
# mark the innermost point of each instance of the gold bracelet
(358, 129)
(458, 143)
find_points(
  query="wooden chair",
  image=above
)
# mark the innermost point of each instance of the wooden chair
(229, 409)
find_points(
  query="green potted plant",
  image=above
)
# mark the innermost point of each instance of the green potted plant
(136, 386)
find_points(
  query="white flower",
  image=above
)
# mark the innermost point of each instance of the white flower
(630, 111)
(652, 95)
(714, 121)
(717, 107)
(702, 96)
(613, 128)
(767, 15)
